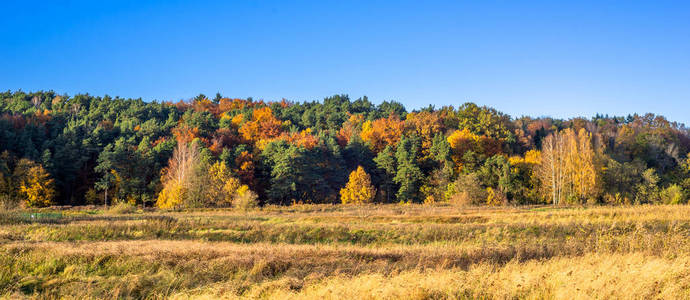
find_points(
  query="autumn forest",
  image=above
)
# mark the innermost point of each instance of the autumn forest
(224, 152)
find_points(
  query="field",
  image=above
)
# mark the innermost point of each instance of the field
(354, 252)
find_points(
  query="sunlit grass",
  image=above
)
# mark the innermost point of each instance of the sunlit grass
(331, 251)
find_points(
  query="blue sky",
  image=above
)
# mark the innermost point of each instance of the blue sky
(533, 58)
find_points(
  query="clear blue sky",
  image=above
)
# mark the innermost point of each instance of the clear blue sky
(524, 58)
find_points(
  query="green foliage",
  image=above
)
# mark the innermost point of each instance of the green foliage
(466, 190)
(387, 166)
(673, 194)
(409, 176)
(485, 121)
(298, 174)
(648, 189)
(110, 149)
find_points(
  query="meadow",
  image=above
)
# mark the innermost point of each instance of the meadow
(353, 252)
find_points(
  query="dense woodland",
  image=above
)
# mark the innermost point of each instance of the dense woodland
(218, 152)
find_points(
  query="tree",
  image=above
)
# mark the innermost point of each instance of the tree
(263, 127)
(485, 121)
(648, 190)
(525, 189)
(37, 187)
(298, 174)
(222, 186)
(466, 190)
(426, 125)
(441, 169)
(358, 189)
(461, 142)
(104, 184)
(120, 146)
(495, 197)
(567, 170)
(387, 166)
(584, 171)
(178, 179)
(497, 174)
(382, 132)
(551, 171)
(409, 176)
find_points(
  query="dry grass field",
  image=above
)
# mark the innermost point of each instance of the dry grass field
(352, 252)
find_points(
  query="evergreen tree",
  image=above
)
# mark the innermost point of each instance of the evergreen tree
(408, 176)
(387, 166)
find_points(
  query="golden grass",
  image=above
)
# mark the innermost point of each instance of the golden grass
(333, 251)
(592, 276)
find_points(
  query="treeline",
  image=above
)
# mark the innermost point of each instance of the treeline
(60, 150)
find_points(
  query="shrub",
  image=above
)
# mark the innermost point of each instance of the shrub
(495, 197)
(121, 209)
(245, 199)
(466, 190)
(91, 197)
(673, 194)
(8, 202)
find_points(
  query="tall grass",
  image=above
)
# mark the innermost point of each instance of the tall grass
(331, 251)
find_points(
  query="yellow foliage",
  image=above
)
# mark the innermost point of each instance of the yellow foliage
(171, 196)
(222, 185)
(263, 126)
(532, 157)
(244, 198)
(382, 132)
(237, 120)
(463, 140)
(567, 168)
(516, 160)
(494, 197)
(358, 189)
(178, 176)
(242, 190)
(426, 125)
(37, 187)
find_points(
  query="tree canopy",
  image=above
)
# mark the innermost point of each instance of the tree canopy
(83, 149)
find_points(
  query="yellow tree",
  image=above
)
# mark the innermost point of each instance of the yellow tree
(358, 189)
(461, 141)
(495, 197)
(587, 171)
(263, 127)
(179, 175)
(426, 125)
(382, 132)
(567, 168)
(37, 188)
(223, 186)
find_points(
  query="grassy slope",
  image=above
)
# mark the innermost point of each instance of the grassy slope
(350, 252)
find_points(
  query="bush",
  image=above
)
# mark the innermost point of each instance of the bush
(495, 197)
(466, 190)
(673, 194)
(121, 209)
(91, 197)
(7, 202)
(245, 199)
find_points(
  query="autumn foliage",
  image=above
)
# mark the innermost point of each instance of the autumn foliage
(358, 189)
(37, 186)
(382, 132)
(219, 151)
(262, 127)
